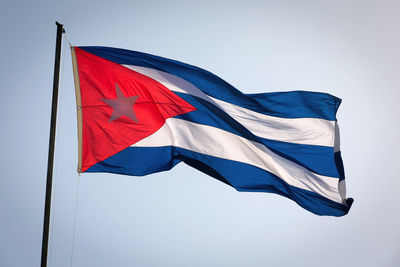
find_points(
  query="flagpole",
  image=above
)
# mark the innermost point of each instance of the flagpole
(46, 221)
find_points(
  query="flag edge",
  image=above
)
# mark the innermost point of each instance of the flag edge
(78, 106)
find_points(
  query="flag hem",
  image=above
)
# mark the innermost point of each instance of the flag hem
(78, 106)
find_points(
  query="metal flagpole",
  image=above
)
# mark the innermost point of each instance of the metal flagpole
(46, 221)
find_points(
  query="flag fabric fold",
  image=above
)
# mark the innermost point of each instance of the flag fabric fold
(141, 114)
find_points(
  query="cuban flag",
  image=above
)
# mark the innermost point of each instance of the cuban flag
(140, 114)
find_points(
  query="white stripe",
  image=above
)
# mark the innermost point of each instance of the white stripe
(222, 144)
(309, 131)
(337, 138)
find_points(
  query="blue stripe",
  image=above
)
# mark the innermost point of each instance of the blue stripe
(339, 165)
(318, 159)
(297, 104)
(284, 104)
(140, 161)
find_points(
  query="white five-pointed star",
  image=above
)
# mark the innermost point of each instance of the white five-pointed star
(122, 106)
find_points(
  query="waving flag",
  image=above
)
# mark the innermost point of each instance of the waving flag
(139, 114)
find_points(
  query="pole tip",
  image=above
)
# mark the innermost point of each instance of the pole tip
(60, 25)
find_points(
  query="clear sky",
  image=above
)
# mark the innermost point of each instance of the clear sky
(183, 217)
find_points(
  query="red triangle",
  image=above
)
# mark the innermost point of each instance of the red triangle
(98, 78)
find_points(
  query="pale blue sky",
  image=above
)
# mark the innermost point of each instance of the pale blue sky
(183, 217)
